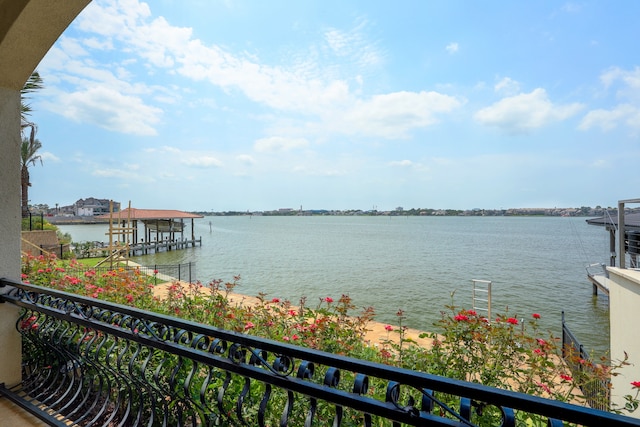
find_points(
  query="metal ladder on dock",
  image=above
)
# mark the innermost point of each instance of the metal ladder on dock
(481, 294)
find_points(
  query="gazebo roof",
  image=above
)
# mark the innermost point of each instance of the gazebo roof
(142, 214)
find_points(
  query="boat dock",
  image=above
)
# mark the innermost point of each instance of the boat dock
(144, 248)
(599, 279)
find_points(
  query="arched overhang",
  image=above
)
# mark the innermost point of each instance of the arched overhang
(28, 29)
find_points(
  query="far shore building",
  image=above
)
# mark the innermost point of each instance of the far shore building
(94, 207)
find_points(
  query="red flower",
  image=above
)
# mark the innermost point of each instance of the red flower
(294, 337)
(461, 318)
(292, 313)
(536, 315)
(569, 378)
(472, 313)
(275, 300)
(512, 320)
(329, 300)
(635, 384)
(388, 328)
(129, 298)
(537, 351)
(544, 387)
(155, 271)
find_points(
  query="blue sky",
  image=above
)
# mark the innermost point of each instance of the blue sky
(252, 105)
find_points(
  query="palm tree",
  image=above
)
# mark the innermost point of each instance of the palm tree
(30, 145)
(28, 156)
(33, 83)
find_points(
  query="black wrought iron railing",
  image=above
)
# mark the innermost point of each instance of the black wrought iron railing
(97, 363)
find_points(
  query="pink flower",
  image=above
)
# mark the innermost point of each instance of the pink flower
(23, 276)
(536, 315)
(544, 387)
(329, 300)
(388, 328)
(461, 318)
(512, 320)
(292, 313)
(569, 378)
(248, 326)
(285, 338)
(635, 384)
(541, 342)
(472, 313)
(155, 271)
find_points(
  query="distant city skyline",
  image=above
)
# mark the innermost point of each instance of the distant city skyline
(216, 106)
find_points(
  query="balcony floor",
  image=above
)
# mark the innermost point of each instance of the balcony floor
(14, 416)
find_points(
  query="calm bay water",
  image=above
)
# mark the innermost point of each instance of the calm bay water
(536, 264)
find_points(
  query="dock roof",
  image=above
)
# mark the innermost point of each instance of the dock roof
(142, 214)
(631, 221)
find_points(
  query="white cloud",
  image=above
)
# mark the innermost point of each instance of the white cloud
(246, 159)
(394, 115)
(202, 162)
(525, 112)
(277, 143)
(311, 90)
(49, 157)
(610, 119)
(627, 112)
(452, 48)
(123, 174)
(507, 86)
(401, 163)
(110, 109)
(354, 44)
(630, 79)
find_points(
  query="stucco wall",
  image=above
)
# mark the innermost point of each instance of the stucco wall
(624, 302)
(28, 28)
(10, 223)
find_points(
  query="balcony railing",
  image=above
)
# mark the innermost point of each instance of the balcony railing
(91, 362)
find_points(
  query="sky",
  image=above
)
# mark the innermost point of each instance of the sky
(247, 105)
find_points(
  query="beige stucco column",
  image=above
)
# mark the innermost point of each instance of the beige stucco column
(28, 29)
(9, 229)
(624, 300)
